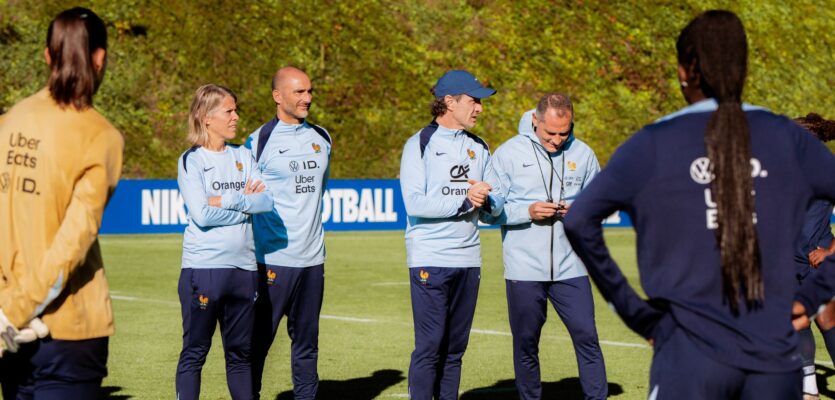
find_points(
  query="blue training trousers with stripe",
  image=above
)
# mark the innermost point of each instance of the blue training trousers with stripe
(527, 306)
(209, 296)
(295, 293)
(443, 305)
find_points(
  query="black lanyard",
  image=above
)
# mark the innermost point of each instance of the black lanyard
(549, 189)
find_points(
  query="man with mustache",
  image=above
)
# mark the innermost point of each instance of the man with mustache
(293, 156)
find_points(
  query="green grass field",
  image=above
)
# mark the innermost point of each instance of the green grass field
(366, 327)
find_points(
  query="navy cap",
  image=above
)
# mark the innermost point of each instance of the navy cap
(457, 82)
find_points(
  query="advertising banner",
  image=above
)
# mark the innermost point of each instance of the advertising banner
(156, 206)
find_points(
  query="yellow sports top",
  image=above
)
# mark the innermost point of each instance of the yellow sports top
(58, 168)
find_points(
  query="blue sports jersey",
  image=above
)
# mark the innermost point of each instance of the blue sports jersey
(219, 237)
(816, 231)
(442, 225)
(294, 164)
(661, 176)
(526, 176)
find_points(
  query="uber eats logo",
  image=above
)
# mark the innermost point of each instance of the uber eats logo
(23, 153)
(457, 174)
(304, 183)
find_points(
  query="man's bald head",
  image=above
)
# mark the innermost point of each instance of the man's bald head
(287, 73)
(292, 93)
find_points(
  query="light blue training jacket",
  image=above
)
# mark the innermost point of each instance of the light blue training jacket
(219, 237)
(295, 165)
(442, 225)
(538, 251)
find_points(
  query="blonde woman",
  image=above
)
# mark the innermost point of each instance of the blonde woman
(219, 279)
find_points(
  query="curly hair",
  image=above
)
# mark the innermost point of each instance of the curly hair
(438, 105)
(823, 129)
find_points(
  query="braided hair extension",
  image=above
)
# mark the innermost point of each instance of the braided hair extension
(714, 47)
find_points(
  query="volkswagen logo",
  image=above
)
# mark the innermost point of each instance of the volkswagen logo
(700, 171)
(294, 166)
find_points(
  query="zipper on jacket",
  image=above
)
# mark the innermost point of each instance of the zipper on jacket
(553, 219)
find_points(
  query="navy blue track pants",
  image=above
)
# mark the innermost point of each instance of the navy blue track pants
(443, 305)
(55, 369)
(680, 371)
(209, 296)
(296, 293)
(527, 304)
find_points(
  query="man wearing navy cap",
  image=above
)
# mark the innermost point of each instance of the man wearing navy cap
(441, 177)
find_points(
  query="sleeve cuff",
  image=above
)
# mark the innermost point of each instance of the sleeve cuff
(466, 207)
(231, 201)
(808, 303)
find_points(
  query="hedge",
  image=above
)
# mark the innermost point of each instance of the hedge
(373, 62)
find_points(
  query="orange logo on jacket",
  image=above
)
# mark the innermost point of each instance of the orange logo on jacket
(271, 275)
(204, 301)
(317, 148)
(424, 277)
(471, 154)
(572, 166)
(239, 166)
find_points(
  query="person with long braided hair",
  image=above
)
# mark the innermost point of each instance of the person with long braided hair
(815, 243)
(717, 192)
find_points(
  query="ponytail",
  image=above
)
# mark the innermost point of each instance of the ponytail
(714, 46)
(73, 36)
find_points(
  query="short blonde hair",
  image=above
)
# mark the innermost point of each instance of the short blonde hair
(206, 99)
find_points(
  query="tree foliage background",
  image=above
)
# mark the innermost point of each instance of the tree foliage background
(373, 62)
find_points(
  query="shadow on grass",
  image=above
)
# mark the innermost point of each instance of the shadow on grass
(365, 388)
(821, 378)
(568, 389)
(111, 393)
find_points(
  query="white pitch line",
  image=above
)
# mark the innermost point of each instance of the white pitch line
(606, 342)
(623, 344)
(349, 319)
(489, 332)
(404, 283)
(334, 317)
(369, 320)
(829, 363)
(475, 391)
(129, 298)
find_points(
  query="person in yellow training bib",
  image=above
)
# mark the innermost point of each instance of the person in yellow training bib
(61, 161)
